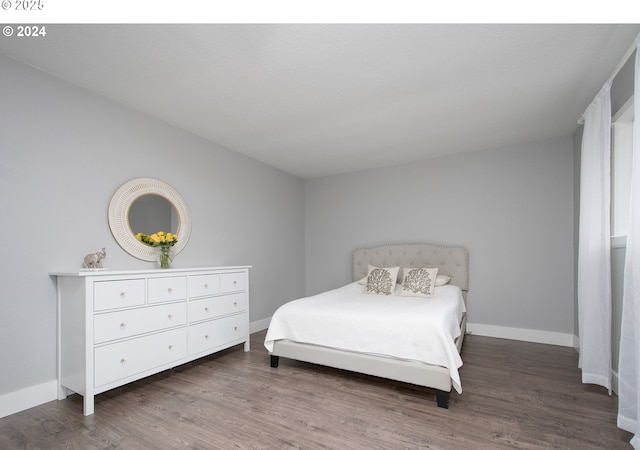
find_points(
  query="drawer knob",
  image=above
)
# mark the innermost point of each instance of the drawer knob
(235, 282)
(206, 336)
(123, 294)
(123, 325)
(206, 309)
(206, 286)
(123, 361)
(235, 303)
(169, 290)
(170, 347)
(235, 328)
(170, 316)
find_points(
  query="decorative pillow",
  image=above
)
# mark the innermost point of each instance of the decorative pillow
(441, 280)
(418, 282)
(381, 280)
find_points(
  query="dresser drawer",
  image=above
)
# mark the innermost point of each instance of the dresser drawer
(118, 294)
(208, 308)
(167, 289)
(233, 282)
(215, 333)
(123, 359)
(130, 322)
(203, 285)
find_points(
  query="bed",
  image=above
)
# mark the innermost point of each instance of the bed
(295, 333)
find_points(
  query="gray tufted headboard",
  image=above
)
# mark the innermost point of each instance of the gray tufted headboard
(450, 261)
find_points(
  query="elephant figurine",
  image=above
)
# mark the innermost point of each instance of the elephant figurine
(94, 260)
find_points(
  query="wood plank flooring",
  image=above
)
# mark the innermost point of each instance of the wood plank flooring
(516, 395)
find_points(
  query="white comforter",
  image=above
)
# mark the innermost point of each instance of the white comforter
(409, 328)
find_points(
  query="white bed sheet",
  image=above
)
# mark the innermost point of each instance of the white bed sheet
(409, 328)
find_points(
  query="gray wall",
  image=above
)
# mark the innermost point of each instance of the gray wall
(512, 208)
(63, 153)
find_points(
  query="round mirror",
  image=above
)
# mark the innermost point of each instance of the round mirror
(147, 205)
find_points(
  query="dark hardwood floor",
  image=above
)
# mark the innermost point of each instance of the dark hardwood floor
(516, 395)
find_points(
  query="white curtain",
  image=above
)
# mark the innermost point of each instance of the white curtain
(594, 243)
(628, 369)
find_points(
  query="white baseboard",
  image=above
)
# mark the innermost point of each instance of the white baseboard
(17, 401)
(259, 325)
(522, 334)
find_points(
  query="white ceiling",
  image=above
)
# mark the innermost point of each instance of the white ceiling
(316, 100)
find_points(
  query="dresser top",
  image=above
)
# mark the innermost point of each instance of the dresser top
(108, 272)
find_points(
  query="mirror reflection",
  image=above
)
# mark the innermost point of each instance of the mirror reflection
(151, 213)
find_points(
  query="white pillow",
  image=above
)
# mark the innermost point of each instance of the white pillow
(418, 282)
(441, 280)
(381, 280)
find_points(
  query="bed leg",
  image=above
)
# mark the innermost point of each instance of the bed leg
(274, 360)
(442, 397)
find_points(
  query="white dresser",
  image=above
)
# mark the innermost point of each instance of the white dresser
(115, 327)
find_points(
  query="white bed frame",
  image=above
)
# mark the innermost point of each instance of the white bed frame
(451, 261)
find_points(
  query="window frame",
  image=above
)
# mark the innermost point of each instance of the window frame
(621, 153)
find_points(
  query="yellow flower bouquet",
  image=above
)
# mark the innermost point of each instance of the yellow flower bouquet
(162, 240)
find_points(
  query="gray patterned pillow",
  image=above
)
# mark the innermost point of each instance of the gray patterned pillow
(418, 282)
(381, 280)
